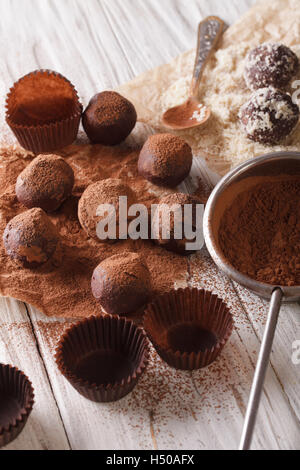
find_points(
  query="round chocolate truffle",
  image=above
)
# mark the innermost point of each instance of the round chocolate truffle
(169, 226)
(102, 192)
(269, 116)
(122, 283)
(270, 64)
(109, 118)
(165, 160)
(30, 238)
(46, 183)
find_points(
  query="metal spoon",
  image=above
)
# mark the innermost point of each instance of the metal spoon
(193, 113)
(280, 163)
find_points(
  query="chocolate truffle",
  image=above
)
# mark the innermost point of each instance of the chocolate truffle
(102, 192)
(269, 116)
(109, 118)
(46, 183)
(165, 160)
(169, 208)
(30, 238)
(270, 64)
(122, 283)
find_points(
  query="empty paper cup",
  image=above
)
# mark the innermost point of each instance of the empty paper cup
(16, 402)
(103, 357)
(188, 327)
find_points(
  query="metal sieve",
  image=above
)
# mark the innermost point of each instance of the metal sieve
(235, 182)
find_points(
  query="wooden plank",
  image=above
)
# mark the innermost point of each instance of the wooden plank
(18, 347)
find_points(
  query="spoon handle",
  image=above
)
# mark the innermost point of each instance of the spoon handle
(209, 33)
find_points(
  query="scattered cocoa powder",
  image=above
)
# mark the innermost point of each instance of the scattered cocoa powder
(260, 233)
(61, 287)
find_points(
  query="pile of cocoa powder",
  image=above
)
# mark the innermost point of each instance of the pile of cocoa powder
(61, 287)
(260, 232)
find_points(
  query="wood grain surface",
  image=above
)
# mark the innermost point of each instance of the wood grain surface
(99, 44)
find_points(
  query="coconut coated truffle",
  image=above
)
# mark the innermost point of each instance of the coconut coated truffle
(270, 64)
(269, 116)
(169, 208)
(102, 192)
(46, 183)
(122, 283)
(30, 238)
(165, 160)
(109, 118)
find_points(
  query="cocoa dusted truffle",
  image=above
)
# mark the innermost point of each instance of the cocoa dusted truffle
(46, 183)
(171, 208)
(165, 160)
(109, 118)
(270, 64)
(269, 116)
(122, 283)
(102, 192)
(30, 238)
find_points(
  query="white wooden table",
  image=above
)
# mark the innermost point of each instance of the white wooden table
(99, 44)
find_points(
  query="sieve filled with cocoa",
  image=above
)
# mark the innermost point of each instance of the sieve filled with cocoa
(251, 229)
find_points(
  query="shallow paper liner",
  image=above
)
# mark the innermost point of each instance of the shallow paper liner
(42, 122)
(14, 385)
(114, 348)
(196, 320)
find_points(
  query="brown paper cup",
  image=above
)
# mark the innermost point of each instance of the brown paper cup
(188, 327)
(16, 402)
(43, 111)
(103, 357)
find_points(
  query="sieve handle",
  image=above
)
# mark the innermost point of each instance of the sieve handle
(209, 32)
(261, 369)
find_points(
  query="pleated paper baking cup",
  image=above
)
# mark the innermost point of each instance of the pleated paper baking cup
(43, 111)
(16, 402)
(103, 357)
(188, 327)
